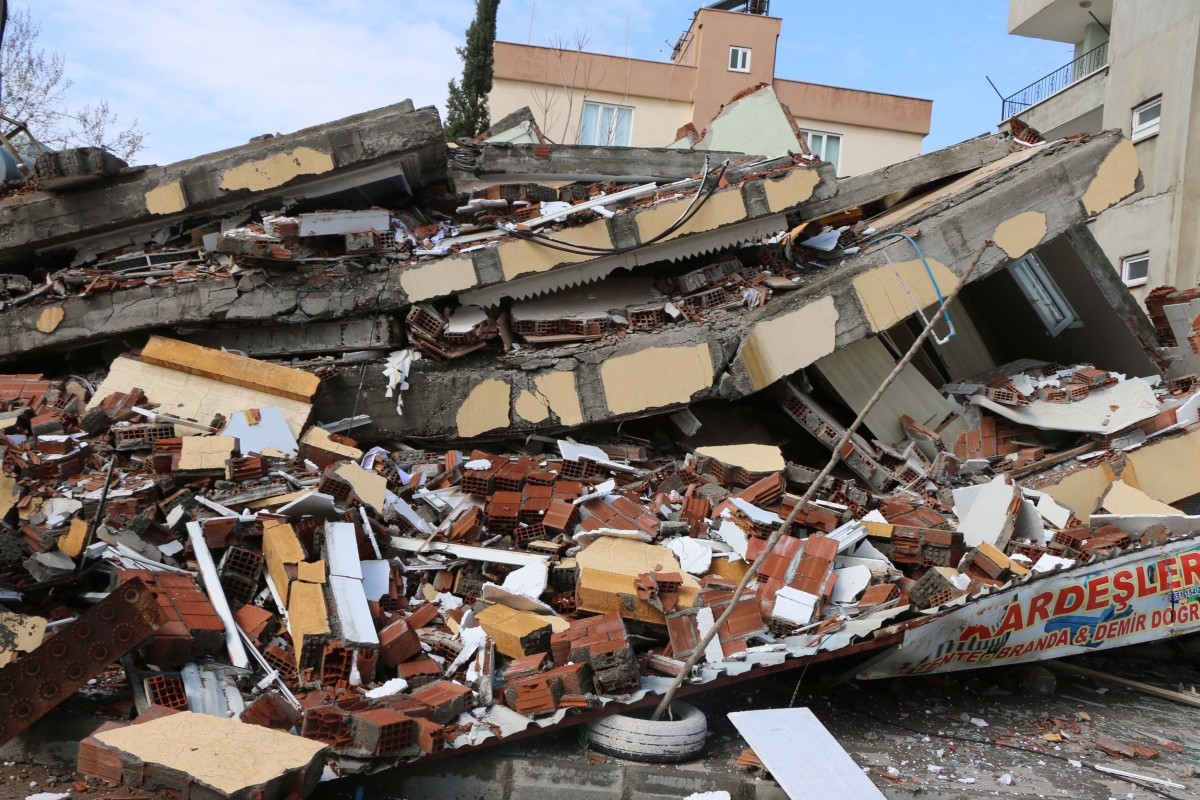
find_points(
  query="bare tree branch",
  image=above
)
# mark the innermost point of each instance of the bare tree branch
(549, 100)
(35, 92)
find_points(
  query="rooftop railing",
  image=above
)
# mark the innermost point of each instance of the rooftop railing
(1055, 82)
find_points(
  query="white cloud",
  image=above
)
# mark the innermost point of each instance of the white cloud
(205, 76)
(201, 76)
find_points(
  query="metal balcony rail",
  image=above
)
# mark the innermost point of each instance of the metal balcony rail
(1056, 81)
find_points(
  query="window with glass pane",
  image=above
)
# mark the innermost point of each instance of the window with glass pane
(1146, 118)
(606, 125)
(1043, 294)
(1135, 270)
(825, 146)
(739, 59)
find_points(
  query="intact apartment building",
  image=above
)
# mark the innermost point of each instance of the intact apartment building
(1135, 67)
(579, 97)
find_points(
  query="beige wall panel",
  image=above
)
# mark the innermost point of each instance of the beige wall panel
(1080, 491)
(276, 170)
(485, 409)
(521, 257)
(531, 408)
(655, 377)
(195, 396)
(885, 296)
(791, 190)
(1168, 469)
(1020, 234)
(166, 199)
(558, 388)
(437, 278)
(1115, 179)
(778, 347)
(722, 208)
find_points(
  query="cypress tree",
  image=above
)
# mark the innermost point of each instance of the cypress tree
(466, 105)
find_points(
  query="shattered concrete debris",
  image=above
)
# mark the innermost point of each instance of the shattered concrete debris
(431, 570)
(382, 602)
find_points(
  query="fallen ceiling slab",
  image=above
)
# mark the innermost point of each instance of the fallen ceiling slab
(518, 163)
(734, 356)
(394, 142)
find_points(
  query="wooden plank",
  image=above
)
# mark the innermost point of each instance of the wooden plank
(231, 368)
(802, 755)
(1144, 688)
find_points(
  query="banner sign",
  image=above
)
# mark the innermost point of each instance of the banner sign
(1137, 597)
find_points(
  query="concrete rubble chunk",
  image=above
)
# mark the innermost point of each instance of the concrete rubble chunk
(388, 143)
(229, 759)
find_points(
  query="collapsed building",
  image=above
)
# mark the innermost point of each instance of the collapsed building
(305, 437)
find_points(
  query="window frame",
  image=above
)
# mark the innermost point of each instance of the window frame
(1127, 262)
(744, 52)
(807, 134)
(602, 141)
(1031, 275)
(1138, 132)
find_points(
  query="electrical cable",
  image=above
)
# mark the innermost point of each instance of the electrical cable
(920, 254)
(970, 740)
(811, 658)
(928, 271)
(817, 648)
(684, 217)
(588, 250)
(701, 197)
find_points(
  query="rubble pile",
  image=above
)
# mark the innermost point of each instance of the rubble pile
(475, 544)
(392, 603)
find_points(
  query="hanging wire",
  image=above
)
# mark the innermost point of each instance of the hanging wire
(703, 193)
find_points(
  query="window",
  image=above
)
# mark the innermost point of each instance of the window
(1043, 294)
(606, 125)
(739, 59)
(1145, 119)
(1135, 270)
(825, 146)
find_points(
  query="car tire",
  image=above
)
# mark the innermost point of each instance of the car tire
(679, 736)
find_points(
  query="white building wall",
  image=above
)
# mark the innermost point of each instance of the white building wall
(865, 149)
(558, 109)
(1151, 55)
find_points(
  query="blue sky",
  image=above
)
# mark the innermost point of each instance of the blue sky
(200, 77)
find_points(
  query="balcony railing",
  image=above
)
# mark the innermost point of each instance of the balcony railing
(1056, 81)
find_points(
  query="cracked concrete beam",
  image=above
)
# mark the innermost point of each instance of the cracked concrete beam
(310, 338)
(395, 142)
(901, 179)
(478, 397)
(521, 163)
(294, 296)
(526, 268)
(290, 298)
